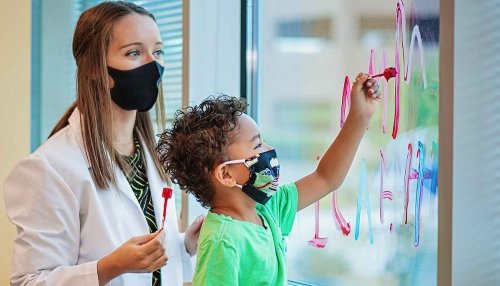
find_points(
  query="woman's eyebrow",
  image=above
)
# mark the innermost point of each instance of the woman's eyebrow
(138, 44)
(131, 44)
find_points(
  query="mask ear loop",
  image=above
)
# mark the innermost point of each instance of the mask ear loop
(247, 162)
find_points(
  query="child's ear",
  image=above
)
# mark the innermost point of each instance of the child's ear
(223, 175)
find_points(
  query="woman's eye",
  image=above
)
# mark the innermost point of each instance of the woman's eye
(133, 53)
(159, 53)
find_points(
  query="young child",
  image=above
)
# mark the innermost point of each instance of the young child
(215, 152)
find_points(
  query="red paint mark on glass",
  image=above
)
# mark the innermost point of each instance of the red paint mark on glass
(318, 242)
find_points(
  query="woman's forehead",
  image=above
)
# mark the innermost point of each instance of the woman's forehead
(135, 28)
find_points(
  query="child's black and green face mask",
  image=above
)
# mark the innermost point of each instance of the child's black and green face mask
(264, 175)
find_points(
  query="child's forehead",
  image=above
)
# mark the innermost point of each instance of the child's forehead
(244, 137)
(246, 128)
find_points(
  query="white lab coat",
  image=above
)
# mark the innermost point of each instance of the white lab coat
(64, 224)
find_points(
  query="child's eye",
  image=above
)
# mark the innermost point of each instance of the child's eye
(258, 146)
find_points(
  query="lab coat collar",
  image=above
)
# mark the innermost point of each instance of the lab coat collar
(155, 183)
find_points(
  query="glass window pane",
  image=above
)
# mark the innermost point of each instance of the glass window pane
(306, 51)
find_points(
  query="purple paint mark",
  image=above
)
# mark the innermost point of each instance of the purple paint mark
(346, 101)
(384, 194)
(318, 242)
(407, 181)
(401, 24)
(363, 200)
(340, 222)
(421, 174)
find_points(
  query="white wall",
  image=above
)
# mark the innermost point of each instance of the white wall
(476, 137)
(15, 108)
(214, 48)
(214, 63)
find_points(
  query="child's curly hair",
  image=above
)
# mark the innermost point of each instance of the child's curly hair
(197, 143)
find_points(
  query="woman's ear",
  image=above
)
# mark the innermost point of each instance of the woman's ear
(224, 176)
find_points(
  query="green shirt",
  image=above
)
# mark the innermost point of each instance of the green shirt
(234, 252)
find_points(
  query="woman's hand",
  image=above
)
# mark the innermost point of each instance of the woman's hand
(364, 96)
(192, 235)
(139, 254)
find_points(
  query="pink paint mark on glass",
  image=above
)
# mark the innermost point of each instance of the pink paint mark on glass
(340, 222)
(346, 101)
(371, 66)
(401, 25)
(318, 242)
(384, 93)
(384, 194)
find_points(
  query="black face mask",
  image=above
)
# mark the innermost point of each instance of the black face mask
(136, 89)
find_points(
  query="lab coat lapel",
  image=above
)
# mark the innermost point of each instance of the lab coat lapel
(156, 185)
(122, 185)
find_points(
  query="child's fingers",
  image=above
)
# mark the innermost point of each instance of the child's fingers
(360, 80)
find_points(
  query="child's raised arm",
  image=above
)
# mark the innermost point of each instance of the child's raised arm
(333, 167)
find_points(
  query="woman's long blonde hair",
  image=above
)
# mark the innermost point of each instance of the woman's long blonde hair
(90, 45)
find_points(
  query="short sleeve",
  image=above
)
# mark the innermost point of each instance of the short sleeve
(283, 205)
(217, 264)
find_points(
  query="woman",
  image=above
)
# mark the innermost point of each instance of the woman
(88, 203)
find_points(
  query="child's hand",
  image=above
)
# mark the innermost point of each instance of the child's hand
(192, 235)
(364, 96)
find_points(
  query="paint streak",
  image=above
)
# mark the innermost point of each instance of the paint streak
(384, 194)
(401, 25)
(415, 35)
(385, 93)
(421, 174)
(340, 222)
(317, 242)
(418, 193)
(346, 101)
(407, 181)
(363, 200)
